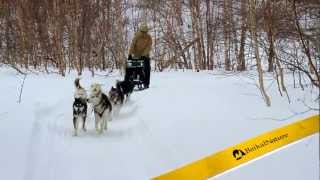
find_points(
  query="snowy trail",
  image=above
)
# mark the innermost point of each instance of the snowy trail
(51, 143)
(47, 142)
(180, 118)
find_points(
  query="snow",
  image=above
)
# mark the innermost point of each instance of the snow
(182, 117)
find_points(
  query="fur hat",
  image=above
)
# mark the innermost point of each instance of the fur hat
(144, 27)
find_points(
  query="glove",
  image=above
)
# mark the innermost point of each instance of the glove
(130, 57)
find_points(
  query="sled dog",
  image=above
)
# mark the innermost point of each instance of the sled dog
(79, 107)
(101, 106)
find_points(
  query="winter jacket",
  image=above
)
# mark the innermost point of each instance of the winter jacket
(140, 45)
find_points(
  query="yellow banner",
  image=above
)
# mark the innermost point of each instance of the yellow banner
(241, 153)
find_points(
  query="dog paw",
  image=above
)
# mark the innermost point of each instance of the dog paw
(84, 129)
(75, 134)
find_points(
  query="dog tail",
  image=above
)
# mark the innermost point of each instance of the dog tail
(77, 83)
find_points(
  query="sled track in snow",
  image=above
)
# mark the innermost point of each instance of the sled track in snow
(51, 138)
(47, 139)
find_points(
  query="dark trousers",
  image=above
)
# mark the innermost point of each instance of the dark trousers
(147, 69)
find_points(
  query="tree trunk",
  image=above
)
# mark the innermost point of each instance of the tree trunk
(241, 66)
(226, 32)
(269, 21)
(253, 29)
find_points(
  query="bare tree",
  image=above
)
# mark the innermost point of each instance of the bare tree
(241, 66)
(253, 29)
(226, 32)
(187, 34)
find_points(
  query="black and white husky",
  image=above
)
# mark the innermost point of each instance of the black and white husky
(116, 97)
(101, 106)
(126, 87)
(79, 107)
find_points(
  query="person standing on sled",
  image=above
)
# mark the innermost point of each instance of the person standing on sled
(140, 48)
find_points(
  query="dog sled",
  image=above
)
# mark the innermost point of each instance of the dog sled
(135, 72)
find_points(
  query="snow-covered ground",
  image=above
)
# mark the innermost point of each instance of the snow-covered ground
(182, 117)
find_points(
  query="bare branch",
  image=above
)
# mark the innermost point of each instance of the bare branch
(21, 88)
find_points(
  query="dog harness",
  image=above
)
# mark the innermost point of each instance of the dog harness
(103, 105)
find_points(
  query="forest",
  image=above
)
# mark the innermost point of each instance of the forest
(278, 36)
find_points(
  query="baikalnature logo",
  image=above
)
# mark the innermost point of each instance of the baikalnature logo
(238, 153)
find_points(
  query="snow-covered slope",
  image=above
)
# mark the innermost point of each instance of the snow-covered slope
(182, 117)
